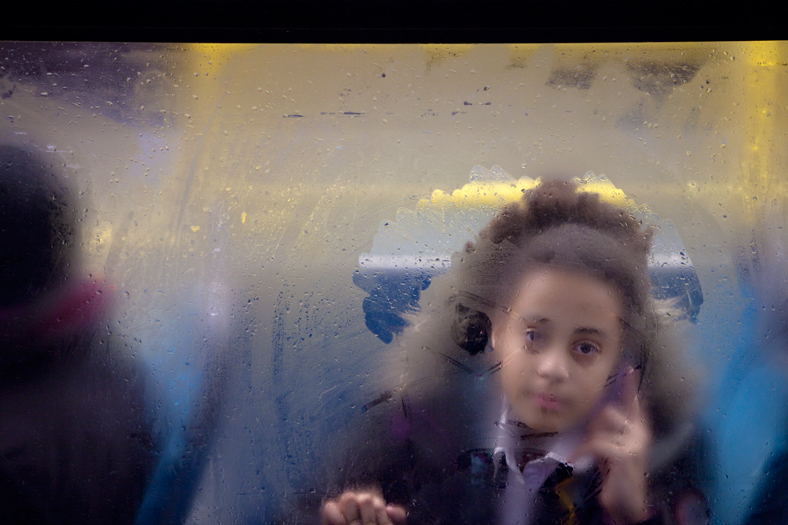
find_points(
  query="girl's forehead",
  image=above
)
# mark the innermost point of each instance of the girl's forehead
(551, 293)
(569, 285)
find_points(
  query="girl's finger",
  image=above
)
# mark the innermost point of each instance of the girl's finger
(381, 515)
(348, 505)
(629, 388)
(600, 449)
(610, 420)
(397, 514)
(332, 515)
(370, 508)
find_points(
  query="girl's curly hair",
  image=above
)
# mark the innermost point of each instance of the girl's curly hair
(555, 225)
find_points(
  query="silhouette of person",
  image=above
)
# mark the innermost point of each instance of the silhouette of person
(75, 445)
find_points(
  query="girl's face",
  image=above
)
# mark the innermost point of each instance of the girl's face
(558, 347)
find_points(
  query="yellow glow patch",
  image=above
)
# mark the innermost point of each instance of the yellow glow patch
(485, 194)
(502, 193)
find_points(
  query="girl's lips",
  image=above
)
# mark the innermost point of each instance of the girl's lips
(548, 401)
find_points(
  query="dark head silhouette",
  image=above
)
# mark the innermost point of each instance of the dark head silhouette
(37, 224)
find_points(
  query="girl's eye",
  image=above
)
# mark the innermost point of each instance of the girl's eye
(534, 339)
(587, 349)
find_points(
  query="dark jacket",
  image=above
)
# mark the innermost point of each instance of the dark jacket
(471, 487)
(75, 445)
(430, 446)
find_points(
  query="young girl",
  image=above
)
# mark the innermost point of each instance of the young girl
(538, 384)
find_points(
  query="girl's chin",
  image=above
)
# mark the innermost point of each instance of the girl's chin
(541, 422)
(549, 419)
(544, 427)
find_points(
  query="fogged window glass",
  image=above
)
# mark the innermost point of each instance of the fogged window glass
(283, 282)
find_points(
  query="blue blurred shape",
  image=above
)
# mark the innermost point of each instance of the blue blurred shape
(171, 491)
(392, 293)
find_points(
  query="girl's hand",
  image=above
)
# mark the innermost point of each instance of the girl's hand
(363, 507)
(619, 438)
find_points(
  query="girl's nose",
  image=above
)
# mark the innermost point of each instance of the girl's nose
(552, 365)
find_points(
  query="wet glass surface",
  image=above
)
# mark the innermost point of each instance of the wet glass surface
(266, 216)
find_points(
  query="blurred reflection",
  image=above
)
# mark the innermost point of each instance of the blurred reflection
(541, 383)
(75, 445)
(748, 421)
